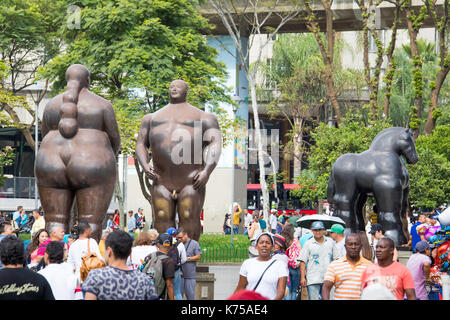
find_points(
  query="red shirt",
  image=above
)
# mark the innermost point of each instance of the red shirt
(396, 277)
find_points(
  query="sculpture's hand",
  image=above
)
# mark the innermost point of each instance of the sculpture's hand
(200, 179)
(151, 174)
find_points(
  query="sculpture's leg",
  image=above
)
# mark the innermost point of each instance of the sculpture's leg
(163, 208)
(388, 196)
(404, 212)
(57, 204)
(93, 203)
(190, 204)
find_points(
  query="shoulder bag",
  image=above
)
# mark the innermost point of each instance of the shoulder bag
(90, 261)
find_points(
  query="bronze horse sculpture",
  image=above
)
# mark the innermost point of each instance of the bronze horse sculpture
(379, 172)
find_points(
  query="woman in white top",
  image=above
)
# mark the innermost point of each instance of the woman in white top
(80, 247)
(264, 274)
(143, 246)
(254, 228)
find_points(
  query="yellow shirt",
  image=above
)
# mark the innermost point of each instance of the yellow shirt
(236, 216)
(38, 224)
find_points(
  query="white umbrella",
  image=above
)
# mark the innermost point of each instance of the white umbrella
(328, 221)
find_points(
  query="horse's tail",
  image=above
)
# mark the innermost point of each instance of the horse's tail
(330, 188)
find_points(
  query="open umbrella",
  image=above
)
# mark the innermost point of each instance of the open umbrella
(328, 221)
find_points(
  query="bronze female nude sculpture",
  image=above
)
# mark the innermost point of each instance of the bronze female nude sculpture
(179, 135)
(77, 156)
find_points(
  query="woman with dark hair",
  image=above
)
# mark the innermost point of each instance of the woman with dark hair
(38, 238)
(293, 251)
(367, 250)
(82, 245)
(263, 274)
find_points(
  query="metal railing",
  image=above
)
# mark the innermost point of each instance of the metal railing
(223, 254)
(18, 187)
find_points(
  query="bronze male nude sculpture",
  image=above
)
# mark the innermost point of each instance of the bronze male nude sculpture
(77, 156)
(178, 135)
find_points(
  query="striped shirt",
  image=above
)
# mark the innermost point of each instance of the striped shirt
(346, 277)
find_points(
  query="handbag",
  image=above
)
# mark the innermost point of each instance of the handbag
(90, 261)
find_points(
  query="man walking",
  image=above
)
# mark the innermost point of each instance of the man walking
(131, 223)
(420, 264)
(345, 273)
(188, 269)
(337, 234)
(103, 283)
(273, 221)
(315, 257)
(164, 244)
(392, 274)
(180, 251)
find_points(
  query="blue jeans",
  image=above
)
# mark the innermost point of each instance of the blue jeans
(177, 285)
(315, 291)
(235, 229)
(294, 281)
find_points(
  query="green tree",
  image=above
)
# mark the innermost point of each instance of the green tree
(430, 176)
(28, 40)
(354, 135)
(137, 47)
(7, 157)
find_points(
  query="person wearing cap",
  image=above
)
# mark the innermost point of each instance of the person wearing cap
(180, 251)
(279, 249)
(344, 274)
(419, 264)
(391, 274)
(263, 274)
(164, 243)
(377, 233)
(337, 234)
(315, 256)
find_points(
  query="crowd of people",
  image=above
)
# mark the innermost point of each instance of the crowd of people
(74, 266)
(323, 264)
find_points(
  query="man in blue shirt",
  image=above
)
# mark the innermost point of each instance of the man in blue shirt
(131, 224)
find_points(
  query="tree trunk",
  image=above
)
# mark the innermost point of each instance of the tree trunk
(298, 145)
(262, 178)
(417, 72)
(431, 119)
(24, 129)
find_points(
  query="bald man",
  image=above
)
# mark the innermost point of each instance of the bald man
(185, 144)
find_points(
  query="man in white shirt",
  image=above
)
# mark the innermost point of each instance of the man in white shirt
(80, 247)
(59, 275)
(247, 219)
(273, 221)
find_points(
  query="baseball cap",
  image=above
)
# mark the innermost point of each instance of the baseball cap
(280, 240)
(172, 231)
(165, 239)
(316, 225)
(421, 246)
(376, 227)
(336, 228)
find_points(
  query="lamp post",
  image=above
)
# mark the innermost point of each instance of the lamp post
(237, 99)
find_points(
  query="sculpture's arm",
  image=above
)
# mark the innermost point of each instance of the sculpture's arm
(212, 139)
(111, 128)
(142, 146)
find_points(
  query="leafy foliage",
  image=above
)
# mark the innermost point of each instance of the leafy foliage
(430, 176)
(7, 157)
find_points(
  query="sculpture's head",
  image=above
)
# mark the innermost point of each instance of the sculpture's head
(79, 73)
(407, 147)
(178, 91)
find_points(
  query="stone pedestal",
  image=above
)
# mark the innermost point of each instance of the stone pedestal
(204, 289)
(403, 255)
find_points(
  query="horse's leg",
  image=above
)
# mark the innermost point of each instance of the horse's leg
(388, 194)
(404, 212)
(359, 205)
(344, 201)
